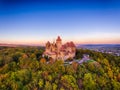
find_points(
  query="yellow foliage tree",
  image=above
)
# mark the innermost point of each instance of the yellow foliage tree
(42, 60)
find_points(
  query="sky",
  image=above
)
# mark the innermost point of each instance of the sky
(82, 21)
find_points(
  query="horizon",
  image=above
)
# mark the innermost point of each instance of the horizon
(83, 22)
(76, 44)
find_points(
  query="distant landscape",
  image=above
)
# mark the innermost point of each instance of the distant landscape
(113, 49)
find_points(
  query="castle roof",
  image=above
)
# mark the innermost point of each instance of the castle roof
(72, 44)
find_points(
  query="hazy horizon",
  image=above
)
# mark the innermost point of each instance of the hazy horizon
(83, 22)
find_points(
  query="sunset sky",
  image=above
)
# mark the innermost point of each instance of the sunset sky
(84, 21)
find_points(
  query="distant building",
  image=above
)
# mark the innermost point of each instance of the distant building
(84, 59)
(57, 51)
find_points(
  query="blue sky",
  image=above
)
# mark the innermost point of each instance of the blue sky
(83, 21)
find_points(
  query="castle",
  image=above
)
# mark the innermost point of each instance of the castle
(57, 51)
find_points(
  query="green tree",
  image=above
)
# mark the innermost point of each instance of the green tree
(48, 86)
(41, 83)
(69, 82)
(88, 82)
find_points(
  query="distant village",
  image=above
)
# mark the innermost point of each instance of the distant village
(110, 49)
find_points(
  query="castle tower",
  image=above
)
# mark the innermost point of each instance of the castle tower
(47, 49)
(59, 42)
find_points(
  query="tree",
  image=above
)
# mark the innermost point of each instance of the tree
(41, 83)
(88, 82)
(69, 82)
(116, 85)
(48, 86)
(42, 60)
(34, 65)
(16, 85)
(70, 70)
(24, 76)
(54, 86)
(75, 65)
(1, 61)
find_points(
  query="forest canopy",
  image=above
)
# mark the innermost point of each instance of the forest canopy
(24, 68)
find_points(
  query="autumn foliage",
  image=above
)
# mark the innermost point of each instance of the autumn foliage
(24, 68)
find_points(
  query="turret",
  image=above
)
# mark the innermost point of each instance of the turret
(48, 44)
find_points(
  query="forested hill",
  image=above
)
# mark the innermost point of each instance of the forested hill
(24, 68)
